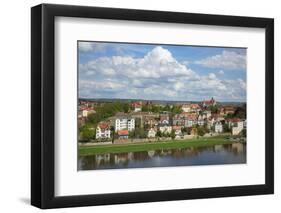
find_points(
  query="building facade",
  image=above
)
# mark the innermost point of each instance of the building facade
(124, 123)
(102, 131)
(218, 127)
(237, 128)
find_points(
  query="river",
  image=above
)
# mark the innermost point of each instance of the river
(210, 155)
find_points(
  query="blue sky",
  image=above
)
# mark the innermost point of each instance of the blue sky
(162, 72)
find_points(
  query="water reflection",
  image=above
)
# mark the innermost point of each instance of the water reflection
(211, 155)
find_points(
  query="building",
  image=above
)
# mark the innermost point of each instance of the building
(201, 122)
(218, 127)
(229, 110)
(87, 111)
(186, 108)
(190, 120)
(163, 128)
(151, 133)
(178, 120)
(102, 131)
(208, 103)
(245, 124)
(232, 122)
(237, 128)
(123, 134)
(221, 111)
(206, 114)
(178, 132)
(124, 123)
(137, 106)
(190, 108)
(164, 118)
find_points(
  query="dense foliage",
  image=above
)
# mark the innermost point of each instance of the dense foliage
(87, 133)
(107, 110)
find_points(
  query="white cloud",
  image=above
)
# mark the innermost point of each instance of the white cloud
(179, 85)
(157, 63)
(212, 76)
(228, 60)
(157, 75)
(221, 72)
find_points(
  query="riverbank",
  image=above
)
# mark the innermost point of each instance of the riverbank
(119, 148)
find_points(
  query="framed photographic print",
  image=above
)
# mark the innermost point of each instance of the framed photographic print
(139, 106)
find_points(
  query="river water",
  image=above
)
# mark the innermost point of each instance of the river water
(210, 155)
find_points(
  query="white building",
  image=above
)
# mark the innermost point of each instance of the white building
(186, 108)
(201, 122)
(102, 131)
(237, 128)
(190, 108)
(124, 123)
(207, 114)
(218, 127)
(137, 109)
(151, 133)
(165, 129)
(87, 112)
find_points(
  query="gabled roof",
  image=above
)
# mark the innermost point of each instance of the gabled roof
(137, 104)
(103, 125)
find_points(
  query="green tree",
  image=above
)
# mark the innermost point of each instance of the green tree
(173, 134)
(126, 107)
(240, 112)
(145, 108)
(167, 108)
(138, 133)
(86, 133)
(200, 131)
(244, 133)
(112, 131)
(226, 128)
(213, 109)
(155, 108)
(158, 133)
(176, 109)
(132, 134)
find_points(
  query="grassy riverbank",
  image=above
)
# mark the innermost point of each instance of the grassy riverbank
(135, 147)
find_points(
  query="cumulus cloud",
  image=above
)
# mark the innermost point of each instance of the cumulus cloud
(156, 75)
(212, 76)
(157, 63)
(228, 60)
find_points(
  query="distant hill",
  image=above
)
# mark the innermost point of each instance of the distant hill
(108, 100)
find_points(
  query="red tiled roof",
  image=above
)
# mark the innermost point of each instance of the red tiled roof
(137, 104)
(86, 108)
(123, 132)
(194, 106)
(103, 126)
(188, 115)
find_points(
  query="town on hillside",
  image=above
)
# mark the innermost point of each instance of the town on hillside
(147, 121)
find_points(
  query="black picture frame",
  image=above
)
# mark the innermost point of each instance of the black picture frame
(43, 105)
